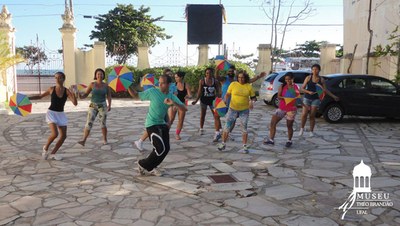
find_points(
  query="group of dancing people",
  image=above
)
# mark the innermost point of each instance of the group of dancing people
(172, 98)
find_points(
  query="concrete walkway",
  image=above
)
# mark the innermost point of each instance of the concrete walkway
(272, 185)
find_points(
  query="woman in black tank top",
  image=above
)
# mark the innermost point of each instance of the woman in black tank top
(311, 99)
(183, 94)
(209, 89)
(55, 116)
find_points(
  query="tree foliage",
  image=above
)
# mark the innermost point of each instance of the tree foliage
(124, 29)
(391, 49)
(281, 19)
(309, 48)
(33, 55)
(6, 59)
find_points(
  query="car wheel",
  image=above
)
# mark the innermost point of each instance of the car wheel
(275, 101)
(266, 102)
(334, 113)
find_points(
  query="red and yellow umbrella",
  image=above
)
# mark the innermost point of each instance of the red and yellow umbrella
(120, 78)
(148, 81)
(220, 107)
(20, 104)
(320, 91)
(222, 63)
(81, 88)
(291, 95)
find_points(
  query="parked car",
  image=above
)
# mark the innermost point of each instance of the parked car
(360, 95)
(269, 88)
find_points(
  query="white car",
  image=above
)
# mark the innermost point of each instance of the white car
(269, 88)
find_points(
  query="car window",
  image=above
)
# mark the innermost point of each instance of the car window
(354, 83)
(271, 77)
(300, 77)
(382, 86)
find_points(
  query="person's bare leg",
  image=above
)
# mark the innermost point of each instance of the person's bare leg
(179, 126)
(272, 127)
(202, 117)
(145, 135)
(86, 133)
(312, 118)
(244, 138)
(104, 132)
(304, 115)
(52, 137)
(289, 124)
(225, 136)
(63, 135)
(217, 122)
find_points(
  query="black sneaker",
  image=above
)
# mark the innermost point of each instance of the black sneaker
(288, 144)
(269, 142)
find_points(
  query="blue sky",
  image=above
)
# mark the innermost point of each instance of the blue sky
(42, 18)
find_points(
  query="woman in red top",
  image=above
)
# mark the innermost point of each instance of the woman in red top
(286, 109)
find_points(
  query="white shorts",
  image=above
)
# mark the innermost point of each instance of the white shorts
(56, 117)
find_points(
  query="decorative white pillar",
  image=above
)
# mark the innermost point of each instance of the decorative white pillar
(328, 54)
(264, 58)
(203, 55)
(8, 76)
(264, 63)
(143, 56)
(68, 32)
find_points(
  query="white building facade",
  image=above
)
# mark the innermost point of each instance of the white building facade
(385, 16)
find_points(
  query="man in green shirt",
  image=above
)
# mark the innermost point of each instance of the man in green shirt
(156, 127)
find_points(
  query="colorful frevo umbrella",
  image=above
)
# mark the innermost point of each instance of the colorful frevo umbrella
(120, 78)
(320, 91)
(222, 63)
(20, 104)
(81, 88)
(148, 81)
(291, 95)
(220, 107)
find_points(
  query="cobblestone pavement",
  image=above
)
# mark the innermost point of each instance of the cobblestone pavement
(272, 185)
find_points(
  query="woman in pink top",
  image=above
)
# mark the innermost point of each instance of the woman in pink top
(286, 109)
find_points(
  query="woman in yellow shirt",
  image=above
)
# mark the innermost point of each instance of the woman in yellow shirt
(242, 98)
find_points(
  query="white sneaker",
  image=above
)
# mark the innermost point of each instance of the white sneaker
(217, 136)
(139, 145)
(201, 131)
(155, 172)
(142, 171)
(55, 157)
(311, 134)
(45, 154)
(301, 132)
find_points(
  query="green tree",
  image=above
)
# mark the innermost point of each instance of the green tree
(32, 55)
(6, 59)
(309, 48)
(339, 52)
(125, 28)
(391, 49)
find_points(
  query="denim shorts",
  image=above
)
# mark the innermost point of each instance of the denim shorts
(313, 103)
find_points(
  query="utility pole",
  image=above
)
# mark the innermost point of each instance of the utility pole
(38, 53)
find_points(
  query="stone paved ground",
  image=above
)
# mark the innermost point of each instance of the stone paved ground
(99, 184)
